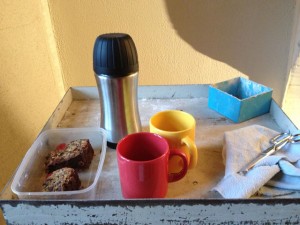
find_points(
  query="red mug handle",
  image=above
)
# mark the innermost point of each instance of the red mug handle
(172, 177)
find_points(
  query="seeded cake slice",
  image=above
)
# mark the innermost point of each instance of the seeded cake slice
(64, 179)
(78, 154)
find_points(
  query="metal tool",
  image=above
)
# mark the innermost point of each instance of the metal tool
(277, 143)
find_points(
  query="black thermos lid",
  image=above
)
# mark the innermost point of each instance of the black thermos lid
(115, 55)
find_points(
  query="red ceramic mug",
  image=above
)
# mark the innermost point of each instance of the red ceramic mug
(143, 165)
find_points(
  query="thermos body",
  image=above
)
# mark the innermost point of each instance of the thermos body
(118, 105)
(115, 63)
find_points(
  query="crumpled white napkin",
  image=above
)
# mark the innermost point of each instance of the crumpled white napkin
(244, 144)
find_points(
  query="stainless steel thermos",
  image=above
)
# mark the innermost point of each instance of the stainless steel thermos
(115, 62)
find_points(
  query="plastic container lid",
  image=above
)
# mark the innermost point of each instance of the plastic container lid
(115, 55)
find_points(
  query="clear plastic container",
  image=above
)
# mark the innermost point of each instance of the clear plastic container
(29, 178)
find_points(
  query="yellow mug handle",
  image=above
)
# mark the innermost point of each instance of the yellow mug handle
(193, 151)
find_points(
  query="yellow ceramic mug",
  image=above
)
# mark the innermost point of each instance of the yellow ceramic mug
(178, 128)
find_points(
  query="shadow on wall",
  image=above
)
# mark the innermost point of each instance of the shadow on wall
(250, 36)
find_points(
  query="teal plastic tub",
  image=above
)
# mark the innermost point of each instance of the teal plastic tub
(239, 99)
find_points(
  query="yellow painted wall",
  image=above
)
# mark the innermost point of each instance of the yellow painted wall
(165, 58)
(28, 86)
(46, 47)
(179, 42)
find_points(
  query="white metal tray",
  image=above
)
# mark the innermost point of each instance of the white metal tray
(187, 200)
